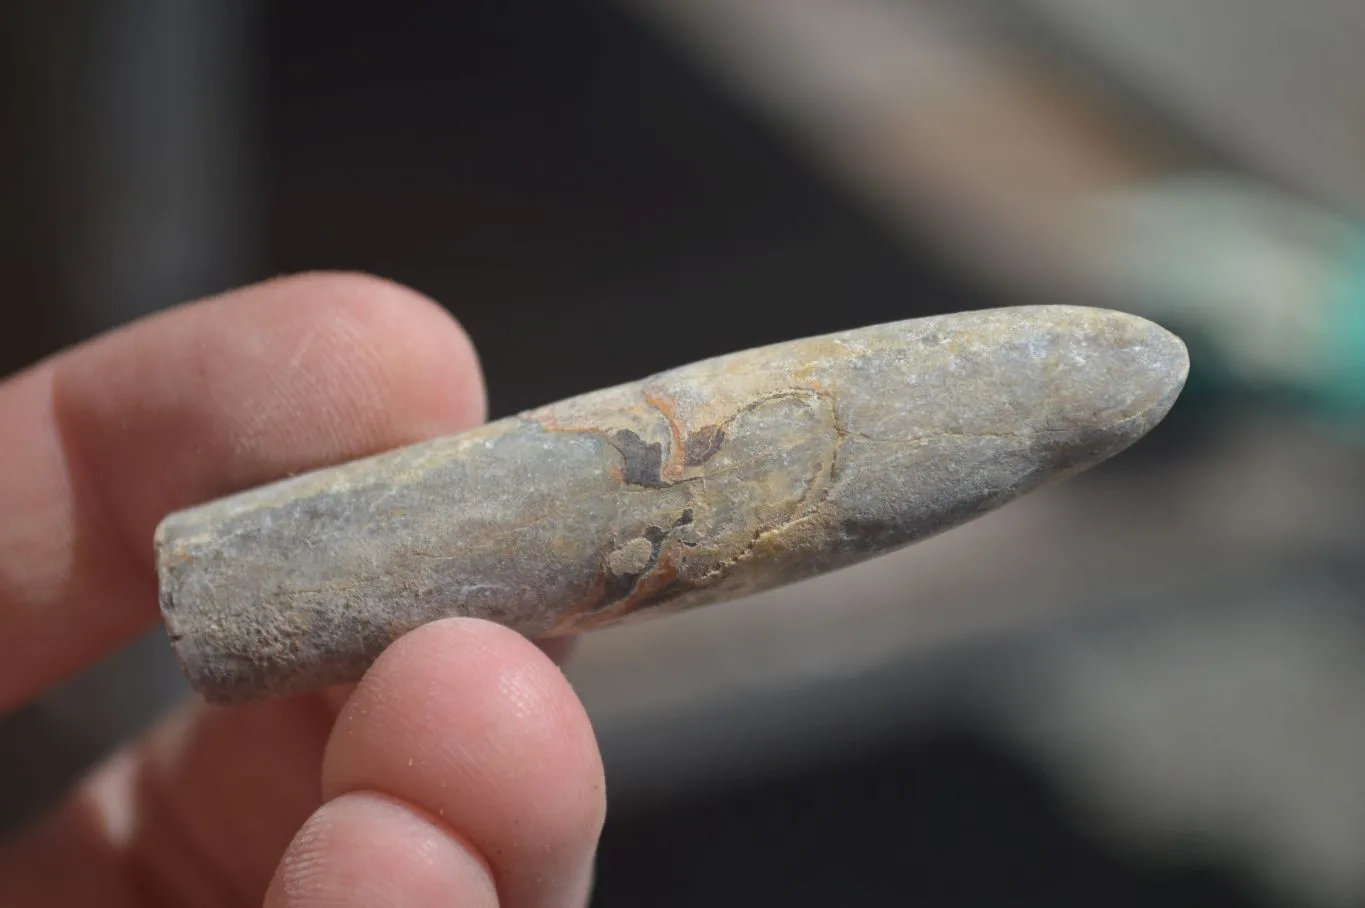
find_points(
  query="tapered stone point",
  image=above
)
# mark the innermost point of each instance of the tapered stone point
(698, 485)
(1107, 380)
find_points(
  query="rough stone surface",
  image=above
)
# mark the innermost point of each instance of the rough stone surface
(698, 485)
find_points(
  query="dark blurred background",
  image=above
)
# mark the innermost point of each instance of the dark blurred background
(1142, 688)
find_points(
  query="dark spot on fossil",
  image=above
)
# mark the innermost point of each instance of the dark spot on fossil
(642, 462)
(684, 520)
(655, 535)
(702, 445)
(615, 588)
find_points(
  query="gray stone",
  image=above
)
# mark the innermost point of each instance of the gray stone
(698, 485)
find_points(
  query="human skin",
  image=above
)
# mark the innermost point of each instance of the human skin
(461, 769)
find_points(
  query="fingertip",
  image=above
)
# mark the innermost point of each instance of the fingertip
(277, 378)
(382, 362)
(366, 849)
(416, 344)
(473, 723)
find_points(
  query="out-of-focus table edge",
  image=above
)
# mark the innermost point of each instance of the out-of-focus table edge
(767, 684)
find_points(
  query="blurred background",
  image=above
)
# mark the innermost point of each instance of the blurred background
(1141, 688)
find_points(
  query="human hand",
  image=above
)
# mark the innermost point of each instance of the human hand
(461, 770)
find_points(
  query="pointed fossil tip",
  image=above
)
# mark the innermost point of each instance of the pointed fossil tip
(1123, 374)
(1161, 361)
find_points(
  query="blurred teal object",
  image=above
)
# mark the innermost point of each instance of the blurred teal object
(1267, 289)
(1343, 387)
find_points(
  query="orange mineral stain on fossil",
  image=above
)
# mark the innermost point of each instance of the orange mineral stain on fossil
(673, 468)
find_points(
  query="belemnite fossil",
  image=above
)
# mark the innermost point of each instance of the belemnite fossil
(698, 485)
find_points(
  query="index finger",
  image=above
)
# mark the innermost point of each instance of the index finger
(105, 439)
